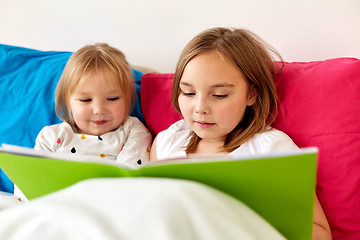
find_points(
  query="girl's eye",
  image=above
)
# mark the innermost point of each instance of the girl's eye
(85, 100)
(188, 94)
(220, 95)
(113, 99)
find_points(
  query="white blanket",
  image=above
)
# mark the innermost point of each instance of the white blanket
(8, 200)
(134, 208)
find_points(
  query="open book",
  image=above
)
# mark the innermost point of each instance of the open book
(280, 187)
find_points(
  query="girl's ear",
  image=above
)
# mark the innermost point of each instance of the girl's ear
(252, 96)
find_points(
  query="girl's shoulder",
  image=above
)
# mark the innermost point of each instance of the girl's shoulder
(271, 140)
(132, 122)
(172, 140)
(133, 127)
(273, 133)
(50, 137)
(58, 128)
(177, 131)
(179, 126)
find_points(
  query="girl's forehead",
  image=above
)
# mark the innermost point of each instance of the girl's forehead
(101, 77)
(90, 84)
(213, 69)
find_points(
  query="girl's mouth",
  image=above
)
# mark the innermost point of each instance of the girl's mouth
(204, 124)
(101, 122)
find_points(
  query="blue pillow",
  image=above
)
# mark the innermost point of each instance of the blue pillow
(28, 80)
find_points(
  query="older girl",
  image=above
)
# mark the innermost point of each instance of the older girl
(224, 89)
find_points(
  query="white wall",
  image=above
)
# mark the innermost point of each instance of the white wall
(152, 33)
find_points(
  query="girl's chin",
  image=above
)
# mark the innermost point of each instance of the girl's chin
(96, 133)
(207, 135)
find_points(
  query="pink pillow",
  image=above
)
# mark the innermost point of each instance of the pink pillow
(156, 90)
(319, 106)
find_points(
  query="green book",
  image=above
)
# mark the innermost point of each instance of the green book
(280, 187)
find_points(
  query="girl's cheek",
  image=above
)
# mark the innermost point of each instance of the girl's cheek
(181, 103)
(184, 105)
(225, 109)
(82, 112)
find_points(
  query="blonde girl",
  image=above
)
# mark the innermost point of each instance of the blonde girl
(94, 98)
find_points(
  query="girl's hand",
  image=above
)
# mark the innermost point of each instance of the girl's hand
(321, 228)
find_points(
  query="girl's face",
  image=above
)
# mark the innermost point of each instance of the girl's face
(97, 107)
(213, 96)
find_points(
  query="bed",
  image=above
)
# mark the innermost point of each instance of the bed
(320, 106)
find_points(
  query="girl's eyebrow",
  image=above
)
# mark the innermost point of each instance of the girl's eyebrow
(185, 84)
(220, 85)
(111, 92)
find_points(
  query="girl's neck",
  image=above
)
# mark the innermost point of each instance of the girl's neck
(209, 147)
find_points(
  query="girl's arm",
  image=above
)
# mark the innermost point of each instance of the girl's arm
(136, 148)
(47, 140)
(153, 156)
(321, 228)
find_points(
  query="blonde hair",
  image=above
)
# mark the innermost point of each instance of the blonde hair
(255, 59)
(99, 58)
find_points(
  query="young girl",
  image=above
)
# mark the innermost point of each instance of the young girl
(224, 89)
(94, 98)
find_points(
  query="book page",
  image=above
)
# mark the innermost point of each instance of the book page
(55, 155)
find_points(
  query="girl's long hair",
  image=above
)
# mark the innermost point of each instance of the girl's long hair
(256, 60)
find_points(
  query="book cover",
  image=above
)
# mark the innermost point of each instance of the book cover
(279, 186)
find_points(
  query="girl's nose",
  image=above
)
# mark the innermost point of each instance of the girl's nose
(99, 108)
(202, 106)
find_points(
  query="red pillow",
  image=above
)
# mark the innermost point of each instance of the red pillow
(319, 106)
(156, 91)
